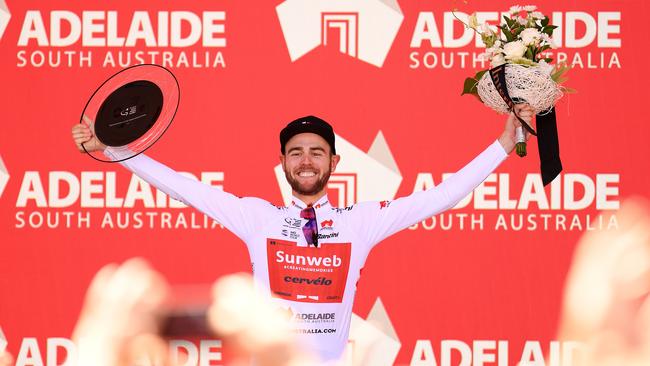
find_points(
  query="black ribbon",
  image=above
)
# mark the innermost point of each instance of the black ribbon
(547, 138)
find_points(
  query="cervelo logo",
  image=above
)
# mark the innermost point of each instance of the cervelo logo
(4, 176)
(372, 341)
(360, 176)
(5, 15)
(365, 28)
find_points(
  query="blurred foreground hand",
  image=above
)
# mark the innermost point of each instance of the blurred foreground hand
(248, 320)
(118, 323)
(606, 303)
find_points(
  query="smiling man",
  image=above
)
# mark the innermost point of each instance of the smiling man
(308, 156)
(308, 256)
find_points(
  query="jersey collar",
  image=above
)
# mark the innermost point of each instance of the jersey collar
(322, 202)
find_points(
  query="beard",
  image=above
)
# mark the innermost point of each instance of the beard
(311, 189)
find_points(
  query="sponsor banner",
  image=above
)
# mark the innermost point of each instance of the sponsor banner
(480, 283)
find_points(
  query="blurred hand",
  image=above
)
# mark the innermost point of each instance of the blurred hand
(118, 320)
(508, 138)
(606, 301)
(81, 134)
(6, 359)
(246, 319)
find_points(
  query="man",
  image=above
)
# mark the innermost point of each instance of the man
(310, 273)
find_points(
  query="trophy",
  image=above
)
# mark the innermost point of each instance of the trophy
(131, 110)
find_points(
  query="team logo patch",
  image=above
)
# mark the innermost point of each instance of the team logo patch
(308, 274)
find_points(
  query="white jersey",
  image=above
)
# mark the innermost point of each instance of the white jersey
(316, 284)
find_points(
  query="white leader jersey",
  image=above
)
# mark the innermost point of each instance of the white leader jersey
(317, 284)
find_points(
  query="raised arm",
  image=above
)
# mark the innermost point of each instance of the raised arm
(240, 215)
(382, 219)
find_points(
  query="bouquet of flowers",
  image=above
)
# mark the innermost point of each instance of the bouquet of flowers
(517, 52)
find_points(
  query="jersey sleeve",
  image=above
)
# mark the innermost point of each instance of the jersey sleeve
(239, 215)
(377, 220)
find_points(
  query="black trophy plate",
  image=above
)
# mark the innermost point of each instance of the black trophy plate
(131, 110)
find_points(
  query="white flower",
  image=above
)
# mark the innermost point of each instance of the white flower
(493, 51)
(530, 36)
(513, 50)
(498, 60)
(473, 21)
(486, 29)
(545, 67)
(485, 56)
(549, 40)
(515, 9)
(497, 43)
(537, 15)
(530, 8)
(522, 21)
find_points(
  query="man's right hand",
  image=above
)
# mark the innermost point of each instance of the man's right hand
(81, 134)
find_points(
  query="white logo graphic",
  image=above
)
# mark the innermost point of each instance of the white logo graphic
(360, 176)
(4, 17)
(365, 28)
(4, 176)
(372, 341)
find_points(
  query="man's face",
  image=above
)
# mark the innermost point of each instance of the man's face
(308, 163)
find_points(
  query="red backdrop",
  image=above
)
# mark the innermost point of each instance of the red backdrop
(489, 282)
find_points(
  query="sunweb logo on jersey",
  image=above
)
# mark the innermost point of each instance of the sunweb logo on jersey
(360, 176)
(364, 29)
(5, 15)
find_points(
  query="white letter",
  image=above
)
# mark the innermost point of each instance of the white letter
(279, 256)
(29, 353)
(603, 191)
(31, 179)
(206, 354)
(111, 30)
(88, 188)
(56, 17)
(570, 202)
(426, 28)
(448, 31)
(90, 28)
(192, 352)
(479, 352)
(210, 28)
(195, 28)
(533, 191)
(532, 348)
(590, 23)
(423, 348)
(445, 352)
(336, 261)
(53, 345)
(54, 191)
(140, 29)
(605, 29)
(33, 27)
(504, 193)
